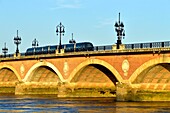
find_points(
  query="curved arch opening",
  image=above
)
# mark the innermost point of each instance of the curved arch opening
(7, 75)
(159, 73)
(94, 73)
(44, 74)
(94, 80)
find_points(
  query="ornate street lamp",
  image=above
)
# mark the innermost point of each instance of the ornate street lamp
(119, 28)
(72, 41)
(5, 50)
(60, 30)
(17, 41)
(35, 43)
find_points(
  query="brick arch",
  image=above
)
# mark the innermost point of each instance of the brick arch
(95, 61)
(148, 65)
(40, 64)
(12, 69)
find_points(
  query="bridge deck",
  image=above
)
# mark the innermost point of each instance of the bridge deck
(90, 53)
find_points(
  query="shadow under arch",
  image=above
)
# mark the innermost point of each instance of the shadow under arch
(147, 65)
(12, 69)
(104, 64)
(39, 64)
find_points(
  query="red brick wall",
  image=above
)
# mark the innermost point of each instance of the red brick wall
(135, 61)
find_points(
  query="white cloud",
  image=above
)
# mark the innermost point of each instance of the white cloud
(67, 4)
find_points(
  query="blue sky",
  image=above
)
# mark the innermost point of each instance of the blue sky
(89, 20)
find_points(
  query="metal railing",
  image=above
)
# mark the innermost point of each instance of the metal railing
(7, 56)
(109, 47)
(147, 45)
(102, 48)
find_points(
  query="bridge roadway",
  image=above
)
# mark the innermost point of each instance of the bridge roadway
(129, 74)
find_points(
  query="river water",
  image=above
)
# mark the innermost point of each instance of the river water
(52, 104)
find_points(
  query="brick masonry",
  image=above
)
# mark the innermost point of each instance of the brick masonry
(150, 70)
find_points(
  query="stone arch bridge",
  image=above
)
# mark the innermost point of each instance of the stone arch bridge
(128, 74)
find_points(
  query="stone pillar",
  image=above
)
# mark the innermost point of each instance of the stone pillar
(122, 92)
(62, 90)
(61, 51)
(19, 89)
(56, 51)
(114, 47)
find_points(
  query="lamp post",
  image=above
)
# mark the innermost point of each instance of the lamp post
(5, 50)
(119, 28)
(17, 41)
(72, 41)
(60, 30)
(35, 43)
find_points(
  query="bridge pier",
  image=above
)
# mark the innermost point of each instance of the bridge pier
(122, 91)
(62, 90)
(65, 89)
(135, 92)
(31, 88)
(85, 90)
(125, 91)
(128, 92)
(7, 87)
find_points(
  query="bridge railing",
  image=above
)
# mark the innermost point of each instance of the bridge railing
(109, 47)
(136, 46)
(102, 48)
(7, 56)
(147, 45)
(11, 55)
